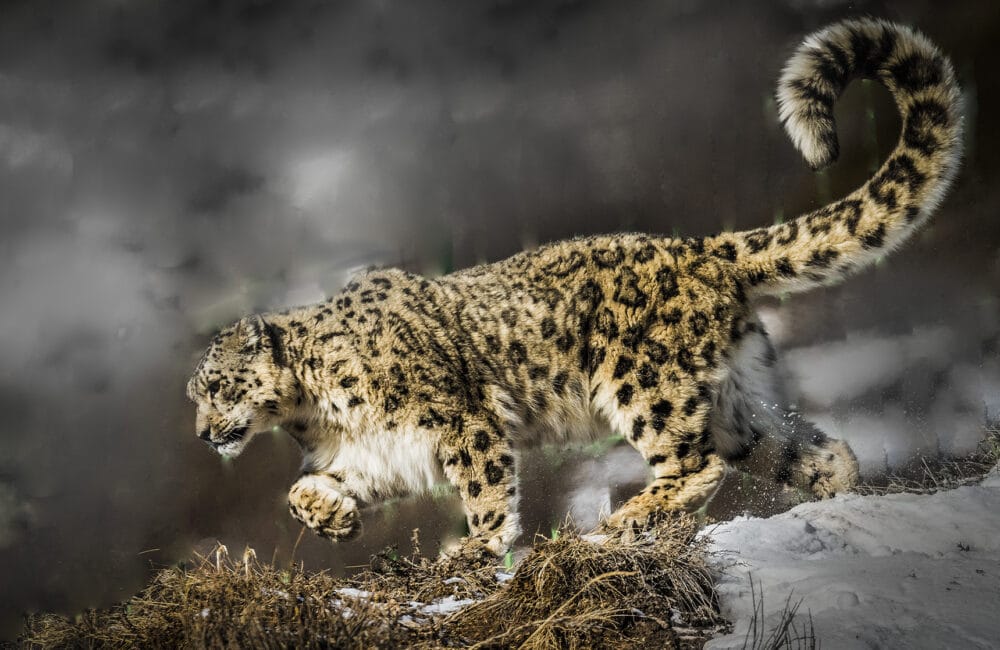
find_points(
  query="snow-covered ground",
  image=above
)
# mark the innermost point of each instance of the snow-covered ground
(897, 571)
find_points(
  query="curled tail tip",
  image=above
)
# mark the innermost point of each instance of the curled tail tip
(805, 109)
(828, 59)
(819, 146)
(810, 84)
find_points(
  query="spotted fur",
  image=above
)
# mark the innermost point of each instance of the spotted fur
(400, 381)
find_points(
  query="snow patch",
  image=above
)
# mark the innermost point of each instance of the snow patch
(902, 570)
(446, 605)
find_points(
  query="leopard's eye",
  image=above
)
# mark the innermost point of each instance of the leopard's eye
(213, 387)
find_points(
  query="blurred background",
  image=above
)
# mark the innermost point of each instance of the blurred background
(169, 166)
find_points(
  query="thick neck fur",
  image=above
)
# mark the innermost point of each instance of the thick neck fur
(312, 422)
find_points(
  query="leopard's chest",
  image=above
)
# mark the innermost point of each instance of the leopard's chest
(382, 464)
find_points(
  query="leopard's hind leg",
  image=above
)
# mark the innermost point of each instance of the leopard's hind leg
(788, 449)
(755, 431)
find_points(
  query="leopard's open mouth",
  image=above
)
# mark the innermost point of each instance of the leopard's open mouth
(233, 436)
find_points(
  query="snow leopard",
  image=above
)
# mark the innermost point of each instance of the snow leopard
(399, 382)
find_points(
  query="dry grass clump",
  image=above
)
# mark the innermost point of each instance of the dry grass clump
(622, 591)
(572, 591)
(787, 633)
(224, 603)
(928, 475)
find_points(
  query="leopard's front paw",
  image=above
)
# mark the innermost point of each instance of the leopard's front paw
(638, 514)
(316, 501)
(470, 550)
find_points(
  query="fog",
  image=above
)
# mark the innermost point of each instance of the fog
(167, 167)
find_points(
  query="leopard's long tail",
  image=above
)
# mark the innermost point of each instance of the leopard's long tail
(825, 245)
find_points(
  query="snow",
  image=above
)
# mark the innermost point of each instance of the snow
(446, 605)
(348, 592)
(901, 571)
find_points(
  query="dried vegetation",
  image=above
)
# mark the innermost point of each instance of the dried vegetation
(653, 589)
(929, 475)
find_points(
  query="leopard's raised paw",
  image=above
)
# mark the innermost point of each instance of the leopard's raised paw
(315, 501)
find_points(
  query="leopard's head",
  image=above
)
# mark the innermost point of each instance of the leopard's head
(242, 385)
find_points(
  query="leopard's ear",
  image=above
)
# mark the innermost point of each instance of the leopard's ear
(254, 335)
(250, 334)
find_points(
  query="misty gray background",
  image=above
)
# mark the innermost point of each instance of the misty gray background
(168, 166)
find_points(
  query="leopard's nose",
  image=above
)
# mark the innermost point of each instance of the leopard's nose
(205, 434)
